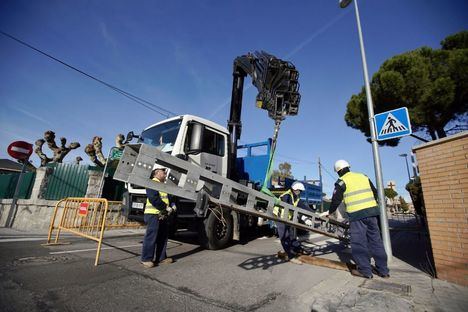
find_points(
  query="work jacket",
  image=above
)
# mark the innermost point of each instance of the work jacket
(292, 201)
(358, 194)
(156, 202)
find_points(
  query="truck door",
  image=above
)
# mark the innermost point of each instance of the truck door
(212, 151)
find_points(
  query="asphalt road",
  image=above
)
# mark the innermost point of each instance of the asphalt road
(243, 277)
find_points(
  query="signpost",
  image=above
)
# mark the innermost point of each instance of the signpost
(392, 124)
(19, 150)
(115, 153)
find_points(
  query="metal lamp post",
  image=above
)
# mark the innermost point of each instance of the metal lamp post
(375, 146)
(407, 167)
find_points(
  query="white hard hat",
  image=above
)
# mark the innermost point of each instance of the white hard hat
(340, 164)
(298, 186)
(159, 167)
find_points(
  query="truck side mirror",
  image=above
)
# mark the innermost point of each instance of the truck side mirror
(130, 137)
(195, 143)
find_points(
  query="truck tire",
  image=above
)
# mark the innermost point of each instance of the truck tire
(214, 234)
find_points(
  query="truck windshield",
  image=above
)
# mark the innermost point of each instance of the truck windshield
(162, 135)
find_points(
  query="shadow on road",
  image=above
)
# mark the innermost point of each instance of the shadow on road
(262, 262)
(343, 253)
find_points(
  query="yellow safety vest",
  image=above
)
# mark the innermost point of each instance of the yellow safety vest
(150, 209)
(276, 209)
(358, 195)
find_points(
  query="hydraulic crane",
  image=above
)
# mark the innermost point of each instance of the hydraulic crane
(278, 93)
(218, 194)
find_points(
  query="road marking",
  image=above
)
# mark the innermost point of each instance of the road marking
(91, 249)
(23, 239)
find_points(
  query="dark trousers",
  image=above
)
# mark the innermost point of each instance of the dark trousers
(155, 240)
(366, 243)
(289, 242)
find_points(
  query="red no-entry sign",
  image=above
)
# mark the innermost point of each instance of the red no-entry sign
(83, 209)
(20, 150)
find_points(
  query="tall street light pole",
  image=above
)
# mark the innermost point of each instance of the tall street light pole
(407, 167)
(375, 146)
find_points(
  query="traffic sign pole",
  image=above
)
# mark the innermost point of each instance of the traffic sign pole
(13, 207)
(20, 150)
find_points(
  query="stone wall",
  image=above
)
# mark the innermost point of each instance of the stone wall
(31, 214)
(443, 167)
(34, 214)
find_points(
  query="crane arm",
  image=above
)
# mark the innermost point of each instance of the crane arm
(278, 93)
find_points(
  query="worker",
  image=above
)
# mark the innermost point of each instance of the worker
(157, 210)
(291, 246)
(360, 198)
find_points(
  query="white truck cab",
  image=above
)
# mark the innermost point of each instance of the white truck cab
(174, 136)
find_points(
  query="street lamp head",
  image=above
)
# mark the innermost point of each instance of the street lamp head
(344, 3)
(403, 155)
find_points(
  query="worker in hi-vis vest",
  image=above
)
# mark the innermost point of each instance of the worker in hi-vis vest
(291, 246)
(157, 210)
(359, 196)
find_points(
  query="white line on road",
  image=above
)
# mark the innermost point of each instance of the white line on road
(24, 239)
(91, 249)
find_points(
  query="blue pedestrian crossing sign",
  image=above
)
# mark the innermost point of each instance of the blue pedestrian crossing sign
(392, 124)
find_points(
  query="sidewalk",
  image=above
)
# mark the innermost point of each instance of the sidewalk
(410, 288)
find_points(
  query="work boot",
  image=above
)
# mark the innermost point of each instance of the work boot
(374, 270)
(359, 274)
(282, 255)
(166, 261)
(147, 264)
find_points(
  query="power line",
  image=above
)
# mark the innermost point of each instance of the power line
(296, 159)
(143, 102)
(326, 170)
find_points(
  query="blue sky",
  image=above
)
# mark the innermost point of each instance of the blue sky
(179, 54)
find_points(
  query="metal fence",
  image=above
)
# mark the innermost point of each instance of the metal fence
(88, 218)
(8, 184)
(406, 221)
(66, 180)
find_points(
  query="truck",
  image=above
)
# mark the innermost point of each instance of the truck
(173, 136)
(189, 143)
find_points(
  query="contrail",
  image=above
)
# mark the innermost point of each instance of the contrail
(320, 31)
(294, 51)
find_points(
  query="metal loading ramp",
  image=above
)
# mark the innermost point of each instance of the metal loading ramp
(189, 181)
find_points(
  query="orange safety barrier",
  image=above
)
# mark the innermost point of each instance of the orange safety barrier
(89, 218)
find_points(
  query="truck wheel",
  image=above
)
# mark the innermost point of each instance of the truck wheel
(217, 234)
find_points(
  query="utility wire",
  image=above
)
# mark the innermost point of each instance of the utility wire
(143, 102)
(326, 170)
(296, 159)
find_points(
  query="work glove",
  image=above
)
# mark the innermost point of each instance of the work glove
(171, 209)
(307, 221)
(324, 214)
